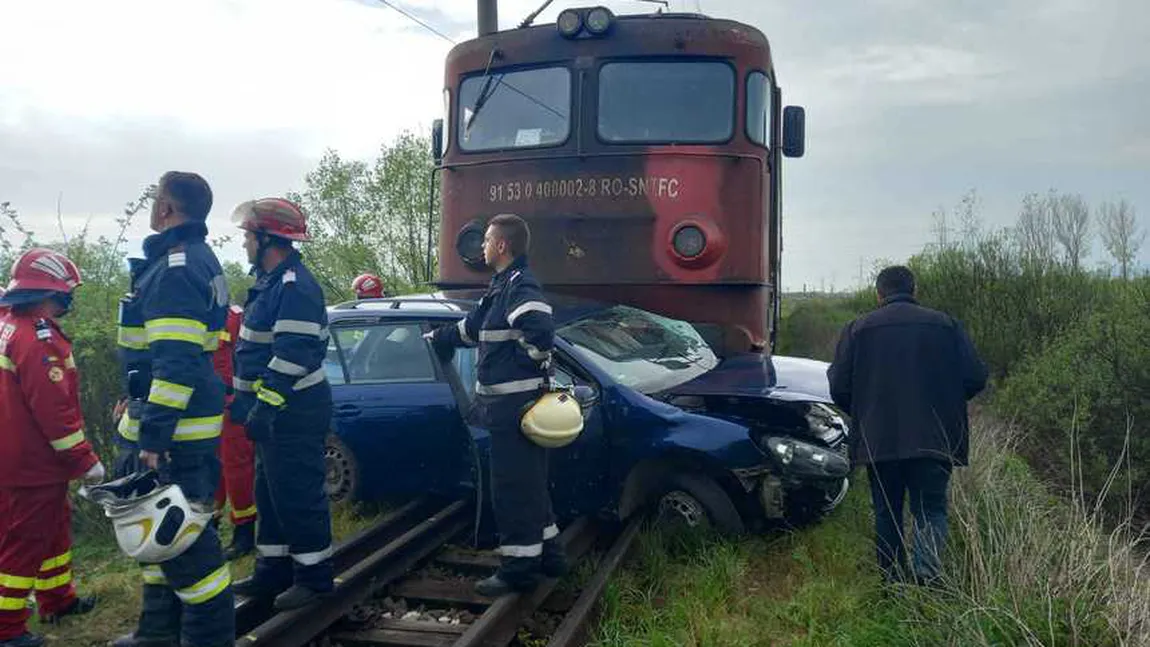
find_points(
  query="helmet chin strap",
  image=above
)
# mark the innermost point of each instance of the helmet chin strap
(263, 241)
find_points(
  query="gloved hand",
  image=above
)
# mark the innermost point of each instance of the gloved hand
(443, 350)
(260, 420)
(95, 474)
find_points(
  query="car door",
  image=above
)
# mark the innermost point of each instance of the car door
(395, 412)
(579, 472)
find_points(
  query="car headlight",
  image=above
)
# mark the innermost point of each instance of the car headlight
(806, 460)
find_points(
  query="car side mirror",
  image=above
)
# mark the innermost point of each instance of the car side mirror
(794, 131)
(585, 396)
(437, 141)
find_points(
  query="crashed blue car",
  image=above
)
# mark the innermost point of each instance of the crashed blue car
(734, 444)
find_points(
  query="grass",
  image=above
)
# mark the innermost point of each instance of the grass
(101, 569)
(1023, 568)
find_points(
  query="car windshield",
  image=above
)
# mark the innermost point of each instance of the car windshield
(640, 349)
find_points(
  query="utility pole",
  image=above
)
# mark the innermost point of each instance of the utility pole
(488, 17)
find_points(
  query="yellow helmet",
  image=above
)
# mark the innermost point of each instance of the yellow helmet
(554, 420)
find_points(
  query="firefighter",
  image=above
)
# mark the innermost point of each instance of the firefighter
(237, 454)
(284, 399)
(170, 325)
(42, 446)
(514, 330)
(367, 286)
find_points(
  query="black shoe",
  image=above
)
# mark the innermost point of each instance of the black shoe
(131, 640)
(23, 640)
(243, 542)
(493, 587)
(79, 607)
(298, 596)
(554, 562)
(252, 588)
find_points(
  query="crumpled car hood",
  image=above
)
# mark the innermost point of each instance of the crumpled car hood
(777, 377)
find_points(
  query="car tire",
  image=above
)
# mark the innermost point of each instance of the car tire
(695, 500)
(341, 472)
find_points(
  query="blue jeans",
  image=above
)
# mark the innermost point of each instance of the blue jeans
(925, 480)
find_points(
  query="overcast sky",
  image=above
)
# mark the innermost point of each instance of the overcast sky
(909, 104)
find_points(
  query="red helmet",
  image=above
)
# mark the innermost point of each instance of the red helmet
(274, 217)
(44, 269)
(367, 286)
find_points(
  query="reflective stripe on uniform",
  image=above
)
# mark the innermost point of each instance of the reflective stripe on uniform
(7, 364)
(504, 388)
(170, 394)
(534, 353)
(500, 335)
(134, 338)
(256, 336)
(281, 365)
(68, 442)
(13, 604)
(534, 550)
(212, 340)
(176, 329)
(207, 588)
(18, 582)
(273, 550)
(315, 377)
(189, 429)
(244, 513)
(49, 583)
(154, 575)
(530, 306)
(56, 562)
(271, 397)
(550, 532)
(247, 386)
(462, 326)
(129, 428)
(70, 361)
(311, 559)
(298, 327)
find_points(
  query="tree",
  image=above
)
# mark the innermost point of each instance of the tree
(371, 218)
(1071, 219)
(1034, 233)
(1120, 233)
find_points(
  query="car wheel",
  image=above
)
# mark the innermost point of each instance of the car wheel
(341, 473)
(696, 501)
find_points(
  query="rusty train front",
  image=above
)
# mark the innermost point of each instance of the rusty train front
(643, 151)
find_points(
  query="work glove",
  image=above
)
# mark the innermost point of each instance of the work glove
(260, 420)
(95, 474)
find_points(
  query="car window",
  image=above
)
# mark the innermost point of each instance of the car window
(385, 353)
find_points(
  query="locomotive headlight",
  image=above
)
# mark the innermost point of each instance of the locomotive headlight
(469, 245)
(569, 23)
(689, 241)
(599, 20)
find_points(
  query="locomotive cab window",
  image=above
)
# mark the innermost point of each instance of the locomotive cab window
(519, 109)
(683, 102)
(759, 103)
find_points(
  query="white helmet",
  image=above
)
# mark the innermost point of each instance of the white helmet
(554, 420)
(153, 522)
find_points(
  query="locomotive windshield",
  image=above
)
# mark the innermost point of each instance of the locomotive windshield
(519, 109)
(666, 101)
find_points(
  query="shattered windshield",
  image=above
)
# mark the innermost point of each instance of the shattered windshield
(640, 349)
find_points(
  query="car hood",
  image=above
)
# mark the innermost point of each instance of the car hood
(751, 374)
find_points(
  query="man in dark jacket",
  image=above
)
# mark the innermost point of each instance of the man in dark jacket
(513, 328)
(904, 373)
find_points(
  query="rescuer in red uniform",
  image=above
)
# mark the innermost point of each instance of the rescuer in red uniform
(42, 446)
(367, 286)
(237, 453)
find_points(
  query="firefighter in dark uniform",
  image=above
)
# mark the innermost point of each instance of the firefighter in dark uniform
(283, 399)
(170, 325)
(514, 331)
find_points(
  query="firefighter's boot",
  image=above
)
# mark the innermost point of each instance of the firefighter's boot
(243, 542)
(79, 607)
(515, 574)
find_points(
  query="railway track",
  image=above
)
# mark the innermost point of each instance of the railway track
(400, 584)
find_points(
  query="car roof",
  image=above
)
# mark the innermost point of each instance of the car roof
(439, 306)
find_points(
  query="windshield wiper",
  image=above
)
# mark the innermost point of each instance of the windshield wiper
(484, 94)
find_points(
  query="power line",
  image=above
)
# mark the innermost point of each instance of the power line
(419, 22)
